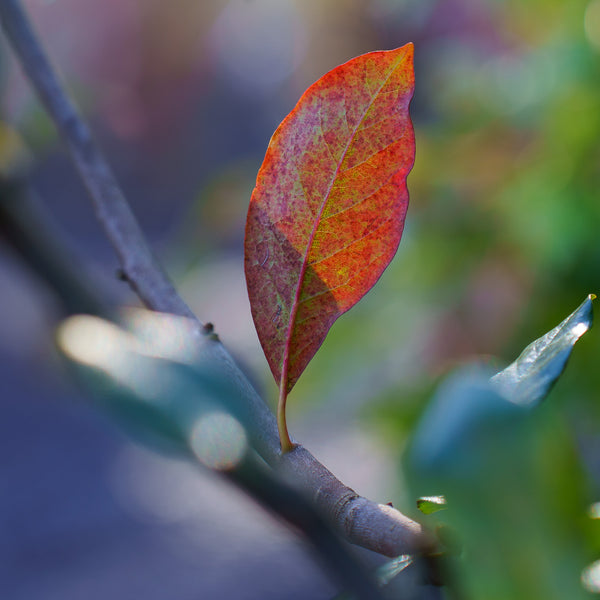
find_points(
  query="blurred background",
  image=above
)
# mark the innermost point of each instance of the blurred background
(501, 243)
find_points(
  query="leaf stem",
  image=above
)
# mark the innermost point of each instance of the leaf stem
(284, 436)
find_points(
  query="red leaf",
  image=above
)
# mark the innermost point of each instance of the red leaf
(327, 213)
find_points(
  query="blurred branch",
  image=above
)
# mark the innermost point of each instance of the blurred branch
(139, 265)
(29, 234)
(253, 476)
(374, 526)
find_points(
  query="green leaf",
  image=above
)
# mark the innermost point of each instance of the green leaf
(469, 404)
(529, 379)
(431, 504)
(515, 492)
(511, 475)
(464, 410)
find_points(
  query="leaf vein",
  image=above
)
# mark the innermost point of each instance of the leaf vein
(363, 199)
(329, 290)
(356, 241)
(362, 162)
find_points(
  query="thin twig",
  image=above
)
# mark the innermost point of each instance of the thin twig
(137, 262)
(374, 526)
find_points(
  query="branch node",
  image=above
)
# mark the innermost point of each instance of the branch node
(208, 329)
(121, 275)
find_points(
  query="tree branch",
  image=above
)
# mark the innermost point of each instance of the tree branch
(29, 234)
(112, 210)
(374, 526)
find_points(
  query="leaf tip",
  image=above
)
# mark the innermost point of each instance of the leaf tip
(408, 53)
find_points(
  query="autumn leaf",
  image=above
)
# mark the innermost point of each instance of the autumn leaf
(327, 213)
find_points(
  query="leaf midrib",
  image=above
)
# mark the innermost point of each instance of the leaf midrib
(283, 383)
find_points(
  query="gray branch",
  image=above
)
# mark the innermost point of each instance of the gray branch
(112, 210)
(363, 522)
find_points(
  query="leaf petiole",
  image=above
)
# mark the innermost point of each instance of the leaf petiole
(284, 436)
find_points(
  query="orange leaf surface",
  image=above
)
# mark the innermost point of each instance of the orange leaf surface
(327, 213)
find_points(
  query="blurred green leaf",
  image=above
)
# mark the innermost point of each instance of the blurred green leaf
(431, 504)
(152, 379)
(511, 475)
(529, 379)
(464, 410)
(516, 496)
